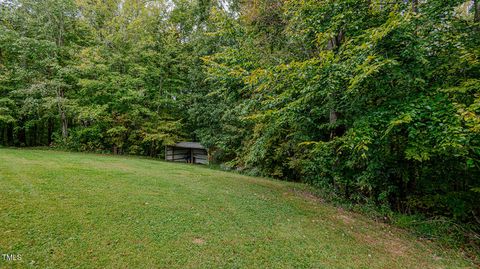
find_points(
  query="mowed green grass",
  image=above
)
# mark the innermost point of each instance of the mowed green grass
(73, 210)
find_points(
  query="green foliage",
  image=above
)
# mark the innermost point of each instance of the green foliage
(112, 78)
(379, 102)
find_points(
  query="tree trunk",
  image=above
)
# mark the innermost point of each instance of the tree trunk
(10, 134)
(63, 116)
(333, 116)
(64, 124)
(35, 135)
(21, 136)
(4, 135)
(60, 92)
(335, 41)
(49, 131)
(476, 7)
(333, 119)
(415, 6)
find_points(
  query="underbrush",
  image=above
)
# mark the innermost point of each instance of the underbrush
(447, 232)
(463, 237)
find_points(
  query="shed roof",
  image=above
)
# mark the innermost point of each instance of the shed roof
(192, 145)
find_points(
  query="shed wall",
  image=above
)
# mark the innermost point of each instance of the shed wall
(177, 154)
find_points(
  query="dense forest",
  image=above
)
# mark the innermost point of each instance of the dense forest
(377, 101)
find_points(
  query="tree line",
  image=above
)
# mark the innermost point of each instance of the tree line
(378, 101)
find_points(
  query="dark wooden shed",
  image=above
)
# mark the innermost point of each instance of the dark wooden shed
(189, 152)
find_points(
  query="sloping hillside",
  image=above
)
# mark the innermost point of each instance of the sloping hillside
(65, 210)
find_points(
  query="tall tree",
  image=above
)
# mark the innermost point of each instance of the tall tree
(476, 7)
(377, 100)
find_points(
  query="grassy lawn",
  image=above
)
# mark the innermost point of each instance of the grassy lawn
(73, 210)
